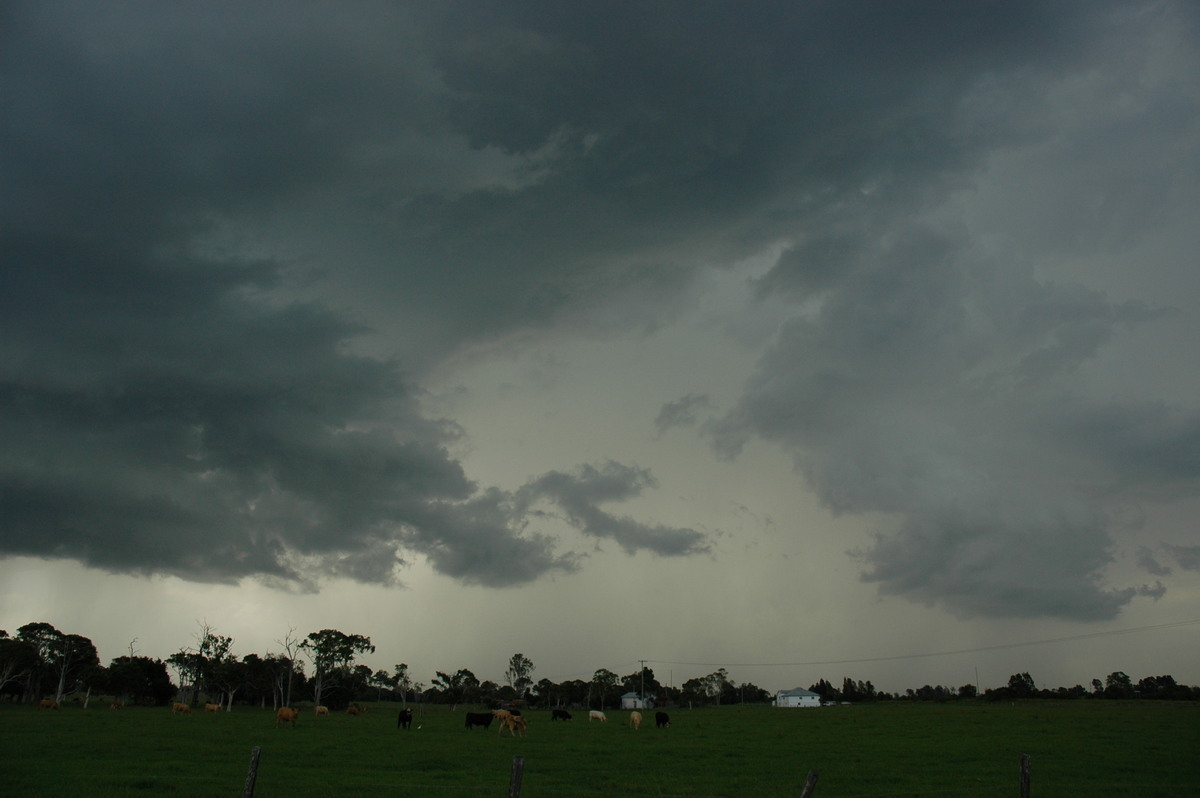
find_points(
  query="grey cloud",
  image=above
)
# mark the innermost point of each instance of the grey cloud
(1150, 563)
(910, 392)
(483, 541)
(1188, 557)
(1155, 591)
(682, 412)
(578, 495)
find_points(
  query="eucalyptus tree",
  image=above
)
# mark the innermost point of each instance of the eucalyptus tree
(75, 660)
(40, 638)
(460, 686)
(332, 653)
(403, 682)
(17, 658)
(219, 669)
(519, 674)
(137, 679)
(603, 681)
(291, 650)
(56, 655)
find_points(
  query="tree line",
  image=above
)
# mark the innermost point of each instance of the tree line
(40, 662)
(1116, 685)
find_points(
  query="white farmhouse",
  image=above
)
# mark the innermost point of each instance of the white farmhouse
(635, 701)
(797, 698)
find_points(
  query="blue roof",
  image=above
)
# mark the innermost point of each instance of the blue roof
(800, 691)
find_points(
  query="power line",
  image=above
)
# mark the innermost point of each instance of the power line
(998, 647)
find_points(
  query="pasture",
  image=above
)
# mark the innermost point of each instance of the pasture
(1145, 748)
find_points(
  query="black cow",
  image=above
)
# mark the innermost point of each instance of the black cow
(661, 720)
(483, 719)
(405, 719)
(560, 714)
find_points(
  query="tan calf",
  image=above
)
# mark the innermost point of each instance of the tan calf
(514, 724)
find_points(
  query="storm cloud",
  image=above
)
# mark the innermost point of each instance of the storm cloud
(237, 255)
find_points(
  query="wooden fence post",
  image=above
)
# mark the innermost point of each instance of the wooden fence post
(810, 784)
(514, 783)
(1024, 775)
(252, 776)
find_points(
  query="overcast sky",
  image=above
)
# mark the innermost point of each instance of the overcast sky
(800, 339)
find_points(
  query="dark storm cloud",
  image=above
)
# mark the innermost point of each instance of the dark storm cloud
(166, 406)
(211, 211)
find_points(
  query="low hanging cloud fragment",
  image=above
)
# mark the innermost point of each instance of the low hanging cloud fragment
(580, 493)
(682, 412)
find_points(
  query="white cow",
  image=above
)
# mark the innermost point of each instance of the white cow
(594, 715)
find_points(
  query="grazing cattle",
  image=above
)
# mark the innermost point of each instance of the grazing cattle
(502, 715)
(661, 720)
(47, 703)
(594, 715)
(560, 714)
(635, 720)
(514, 724)
(180, 709)
(116, 705)
(212, 707)
(483, 719)
(322, 710)
(352, 710)
(286, 715)
(404, 721)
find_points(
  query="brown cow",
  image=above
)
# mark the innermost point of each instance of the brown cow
(352, 710)
(514, 723)
(286, 715)
(322, 710)
(502, 715)
(178, 708)
(116, 705)
(212, 707)
(48, 703)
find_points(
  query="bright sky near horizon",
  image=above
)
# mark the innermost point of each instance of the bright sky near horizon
(808, 340)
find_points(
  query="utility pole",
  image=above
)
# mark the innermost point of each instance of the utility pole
(642, 676)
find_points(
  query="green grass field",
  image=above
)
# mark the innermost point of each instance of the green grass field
(1078, 748)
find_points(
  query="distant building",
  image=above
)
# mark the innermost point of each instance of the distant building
(635, 701)
(797, 698)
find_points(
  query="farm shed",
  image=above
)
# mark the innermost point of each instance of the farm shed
(797, 698)
(635, 701)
